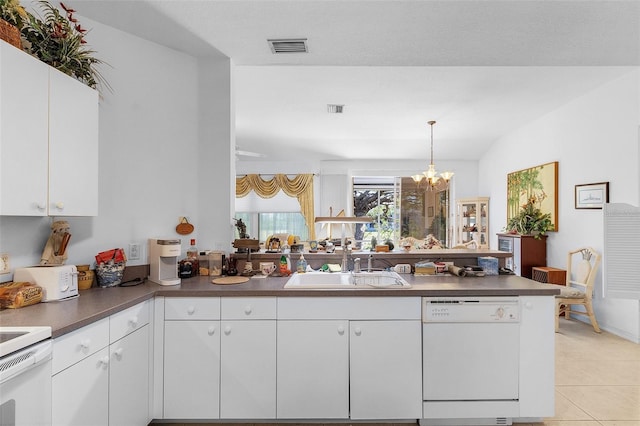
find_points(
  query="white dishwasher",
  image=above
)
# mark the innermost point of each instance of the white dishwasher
(470, 357)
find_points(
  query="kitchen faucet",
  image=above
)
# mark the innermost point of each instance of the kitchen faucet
(345, 262)
(356, 265)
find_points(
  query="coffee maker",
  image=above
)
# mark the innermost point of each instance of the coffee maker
(163, 261)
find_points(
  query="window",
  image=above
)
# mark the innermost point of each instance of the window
(376, 197)
(262, 224)
(399, 208)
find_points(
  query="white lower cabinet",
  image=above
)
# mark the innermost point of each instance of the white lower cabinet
(248, 369)
(191, 368)
(349, 358)
(101, 372)
(248, 358)
(385, 369)
(129, 379)
(313, 369)
(81, 392)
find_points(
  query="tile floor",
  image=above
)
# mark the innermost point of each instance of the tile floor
(597, 380)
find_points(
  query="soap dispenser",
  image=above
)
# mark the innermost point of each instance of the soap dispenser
(301, 267)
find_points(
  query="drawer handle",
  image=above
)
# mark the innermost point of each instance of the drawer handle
(104, 360)
(41, 206)
(357, 331)
(340, 330)
(227, 330)
(59, 205)
(118, 353)
(85, 343)
(211, 330)
(134, 322)
(247, 309)
(191, 310)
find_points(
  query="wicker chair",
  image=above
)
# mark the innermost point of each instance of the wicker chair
(581, 275)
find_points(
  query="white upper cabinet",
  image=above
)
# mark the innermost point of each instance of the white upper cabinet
(73, 147)
(48, 140)
(24, 112)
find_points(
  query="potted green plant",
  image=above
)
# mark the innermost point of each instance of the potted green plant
(58, 40)
(12, 17)
(530, 220)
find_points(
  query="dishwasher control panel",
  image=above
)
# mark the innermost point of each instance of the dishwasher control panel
(470, 309)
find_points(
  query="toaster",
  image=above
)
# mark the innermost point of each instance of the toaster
(57, 282)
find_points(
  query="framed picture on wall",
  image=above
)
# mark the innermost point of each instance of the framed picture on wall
(537, 184)
(592, 195)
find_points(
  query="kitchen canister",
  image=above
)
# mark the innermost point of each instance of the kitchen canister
(216, 260)
(85, 277)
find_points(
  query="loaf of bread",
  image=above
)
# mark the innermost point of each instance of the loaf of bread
(19, 294)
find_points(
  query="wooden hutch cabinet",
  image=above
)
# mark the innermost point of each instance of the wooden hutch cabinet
(473, 221)
(528, 252)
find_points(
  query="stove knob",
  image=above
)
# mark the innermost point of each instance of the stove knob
(500, 313)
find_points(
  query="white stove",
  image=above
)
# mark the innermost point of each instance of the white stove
(15, 338)
(25, 375)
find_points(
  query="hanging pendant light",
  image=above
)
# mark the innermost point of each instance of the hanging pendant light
(435, 181)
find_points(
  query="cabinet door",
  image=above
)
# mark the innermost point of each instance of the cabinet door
(191, 369)
(81, 392)
(73, 147)
(313, 369)
(248, 369)
(129, 379)
(386, 369)
(24, 83)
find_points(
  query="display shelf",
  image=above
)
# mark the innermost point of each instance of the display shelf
(472, 220)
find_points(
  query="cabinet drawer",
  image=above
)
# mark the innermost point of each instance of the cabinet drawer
(79, 344)
(192, 308)
(129, 320)
(237, 308)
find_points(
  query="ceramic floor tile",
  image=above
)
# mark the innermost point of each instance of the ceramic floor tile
(567, 410)
(620, 423)
(605, 402)
(597, 372)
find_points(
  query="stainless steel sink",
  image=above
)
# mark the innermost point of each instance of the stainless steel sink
(347, 280)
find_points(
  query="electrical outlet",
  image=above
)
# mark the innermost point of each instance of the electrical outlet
(4, 263)
(134, 251)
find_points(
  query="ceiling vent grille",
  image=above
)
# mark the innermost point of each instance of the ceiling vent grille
(288, 45)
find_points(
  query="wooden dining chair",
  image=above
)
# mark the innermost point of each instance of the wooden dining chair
(581, 275)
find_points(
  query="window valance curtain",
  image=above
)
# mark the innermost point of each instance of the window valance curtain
(300, 186)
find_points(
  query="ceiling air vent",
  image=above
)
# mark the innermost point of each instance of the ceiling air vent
(288, 45)
(335, 109)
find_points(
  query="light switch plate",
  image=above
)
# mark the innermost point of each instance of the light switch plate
(134, 251)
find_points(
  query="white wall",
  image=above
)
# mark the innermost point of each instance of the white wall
(595, 138)
(151, 135)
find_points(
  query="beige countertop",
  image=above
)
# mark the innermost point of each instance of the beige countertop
(97, 303)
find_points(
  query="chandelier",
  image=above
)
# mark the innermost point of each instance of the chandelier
(435, 181)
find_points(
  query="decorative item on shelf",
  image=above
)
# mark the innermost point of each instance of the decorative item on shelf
(58, 40)
(530, 220)
(12, 18)
(435, 181)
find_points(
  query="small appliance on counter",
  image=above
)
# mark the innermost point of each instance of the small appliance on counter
(163, 261)
(57, 282)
